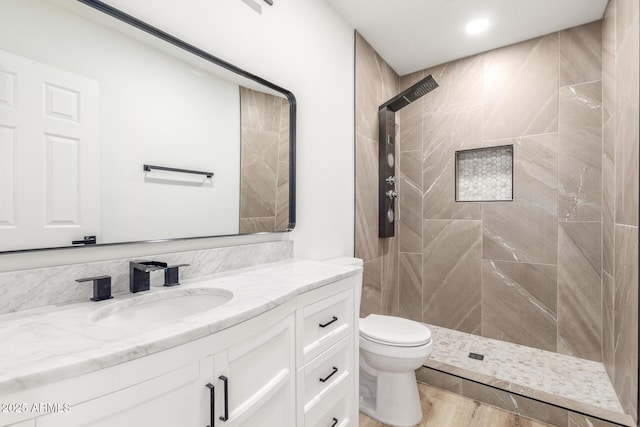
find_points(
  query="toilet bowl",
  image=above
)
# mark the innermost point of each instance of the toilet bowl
(391, 349)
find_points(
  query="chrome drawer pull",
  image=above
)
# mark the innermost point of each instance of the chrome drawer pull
(330, 375)
(324, 325)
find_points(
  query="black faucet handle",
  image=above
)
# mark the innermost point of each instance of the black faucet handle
(172, 274)
(101, 287)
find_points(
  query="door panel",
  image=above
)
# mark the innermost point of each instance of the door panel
(49, 126)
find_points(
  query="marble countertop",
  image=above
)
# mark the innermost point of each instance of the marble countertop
(48, 344)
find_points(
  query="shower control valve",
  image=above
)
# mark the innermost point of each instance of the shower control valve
(391, 194)
(391, 180)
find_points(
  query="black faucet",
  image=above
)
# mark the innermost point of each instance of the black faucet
(139, 274)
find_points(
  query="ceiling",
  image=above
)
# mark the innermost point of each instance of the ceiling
(415, 34)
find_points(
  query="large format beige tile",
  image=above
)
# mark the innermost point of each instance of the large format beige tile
(521, 89)
(410, 117)
(371, 302)
(282, 194)
(260, 110)
(580, 152)
(367, 240)
(580, 54)
(410, 286)
(410, 201)
(259, 173)
(257, 225)
(608, 336)
(451, 271)
(608, 194)
(508, 226)
(609, 61)
(460, 85)
(368, 89)
(390, 289)
(514, 403)
(626, 14)
(627, 134)
(579, 290)
(625, 325)
(443, 134)
(579, 420)
(519, 303)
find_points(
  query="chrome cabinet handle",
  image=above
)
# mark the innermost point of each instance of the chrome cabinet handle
(212, 402)
(225, 380)
(324, 325)
(322, 380)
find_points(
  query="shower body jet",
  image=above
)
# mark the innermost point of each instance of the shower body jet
(387, 153)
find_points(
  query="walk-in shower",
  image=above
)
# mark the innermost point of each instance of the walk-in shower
(386, 158)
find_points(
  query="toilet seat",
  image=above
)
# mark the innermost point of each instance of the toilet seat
(394, 331)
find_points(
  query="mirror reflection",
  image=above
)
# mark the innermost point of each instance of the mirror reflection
(86, 100)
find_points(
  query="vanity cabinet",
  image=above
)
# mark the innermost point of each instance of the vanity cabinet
(294, 365)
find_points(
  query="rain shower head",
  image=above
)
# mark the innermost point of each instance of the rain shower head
(409, 95)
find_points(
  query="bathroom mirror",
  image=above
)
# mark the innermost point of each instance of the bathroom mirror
(112, 128)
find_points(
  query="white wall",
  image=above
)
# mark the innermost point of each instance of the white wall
(301, 45)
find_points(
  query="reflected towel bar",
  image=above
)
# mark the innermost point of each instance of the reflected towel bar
(147, 168)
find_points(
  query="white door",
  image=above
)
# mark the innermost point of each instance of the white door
(49, 155)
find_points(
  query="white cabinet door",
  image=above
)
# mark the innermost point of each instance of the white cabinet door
(49, 155)
(260, 376)
(177, 398)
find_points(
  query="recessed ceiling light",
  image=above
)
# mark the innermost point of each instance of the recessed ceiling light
(477, 26)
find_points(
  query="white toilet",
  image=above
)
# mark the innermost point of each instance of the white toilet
(391, 349)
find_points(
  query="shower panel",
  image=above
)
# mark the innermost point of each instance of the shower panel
(387, 153)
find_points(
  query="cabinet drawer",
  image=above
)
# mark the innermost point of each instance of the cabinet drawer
(334, 411)
(324, 323)
(324, 376)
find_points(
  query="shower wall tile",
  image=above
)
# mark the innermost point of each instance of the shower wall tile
(443, 134)
(580, 152)
(260, 110)
(579, 420)
(282, 193)
(369, 91)
(608, 338)
(371, 288)
(259, 173)
(451, 271)
(410, 201)
(521, 89)
(516, 296)
(507, 225)
(367, 241)
(627, 189)
(609, 62)
(410, 286)
(460, 85)
(579, 290)
(625, 325)
(580, 51)
(390, 291)
(511, 402)
(410, 117)
(608, 194)
(626, 14)
(257, 225)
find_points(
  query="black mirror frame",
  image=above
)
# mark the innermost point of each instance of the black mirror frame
(141, 25)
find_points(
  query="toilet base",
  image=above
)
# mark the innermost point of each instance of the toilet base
(390, 407)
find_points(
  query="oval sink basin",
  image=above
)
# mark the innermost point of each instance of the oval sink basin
(161, 306)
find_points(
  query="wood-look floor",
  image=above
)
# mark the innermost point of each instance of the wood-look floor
(444, 409)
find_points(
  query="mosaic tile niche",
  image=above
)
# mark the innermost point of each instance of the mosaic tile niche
(484, 174)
